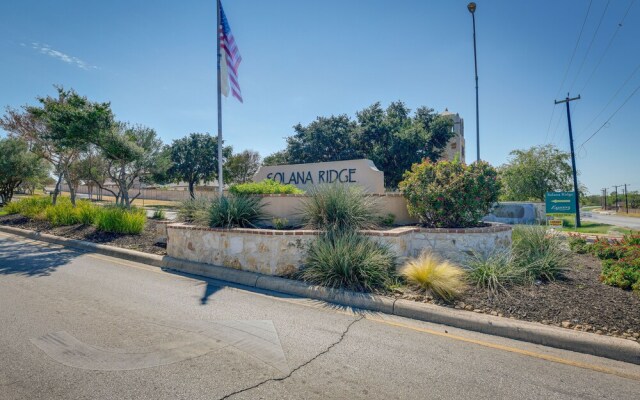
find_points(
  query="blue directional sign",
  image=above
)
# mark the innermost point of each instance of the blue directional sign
(560, 202)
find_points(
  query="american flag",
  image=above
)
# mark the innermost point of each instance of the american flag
(229, 69)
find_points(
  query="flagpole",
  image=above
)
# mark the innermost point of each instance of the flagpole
(220, 177)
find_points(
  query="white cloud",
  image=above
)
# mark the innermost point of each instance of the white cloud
(47, 50)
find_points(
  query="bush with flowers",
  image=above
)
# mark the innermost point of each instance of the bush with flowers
(620, 261)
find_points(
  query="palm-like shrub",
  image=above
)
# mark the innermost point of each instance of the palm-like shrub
(450, 194)
(195, 211)
(492, 271)
(431, 274)
(348, 260)
(236, 211)
(338, 207)
(539, 254)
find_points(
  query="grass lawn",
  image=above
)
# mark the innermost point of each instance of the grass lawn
(594, 227)
(2, 212)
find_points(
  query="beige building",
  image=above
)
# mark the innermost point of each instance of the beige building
(456, 146)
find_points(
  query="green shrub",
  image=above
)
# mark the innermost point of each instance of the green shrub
(121, 220)
(605, 250)
(537, 254)
(450, 194)
(86, 212)
(386, 220)
(267, 186)
(348, 260)
(195, 211)
(280, 223)
(31, 207)
(236, 211)
(492, 271)
(431, 274)
(578, 244)
(338, 207)
(62, 214)
(621, 261)
(159, 213)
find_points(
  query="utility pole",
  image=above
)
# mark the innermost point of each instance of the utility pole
(616, 187)
(626, 199)
(605, 199)
(567, 100)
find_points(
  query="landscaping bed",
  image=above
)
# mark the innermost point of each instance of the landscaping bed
(579, 301)
(145, 241)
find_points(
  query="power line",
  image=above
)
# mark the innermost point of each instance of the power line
(593, 38)
(566, 72)
(612, 115)
(615, 33)
(613, 97)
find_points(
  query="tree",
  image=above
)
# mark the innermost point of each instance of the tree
(530, 174)
(17, 165)
(241, 167)
(277, 158)
(39, 179)
(60, 129)
(127, 154)
(195, 159)
(393, 139)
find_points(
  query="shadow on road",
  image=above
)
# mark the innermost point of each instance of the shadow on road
(208, 291)
(21, 258)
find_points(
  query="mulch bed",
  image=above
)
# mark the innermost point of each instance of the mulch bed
(145, 241)
(579, 301)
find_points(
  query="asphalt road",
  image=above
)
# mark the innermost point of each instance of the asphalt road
(84, 326)
(625, 222)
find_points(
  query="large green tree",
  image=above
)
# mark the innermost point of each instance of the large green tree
(393, 138)
(531, 173)
(241, 167)
(17, 165)
(194, 159)
(126, 154)
(60, 129)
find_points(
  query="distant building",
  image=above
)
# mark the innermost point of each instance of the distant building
(456, 145)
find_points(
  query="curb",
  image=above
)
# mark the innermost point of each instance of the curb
(583, 342)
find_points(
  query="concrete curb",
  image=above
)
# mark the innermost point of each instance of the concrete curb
(602, 346)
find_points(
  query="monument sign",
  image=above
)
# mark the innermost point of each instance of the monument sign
(304, 176)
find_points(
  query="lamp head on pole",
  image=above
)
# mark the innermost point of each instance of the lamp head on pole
(472, 7)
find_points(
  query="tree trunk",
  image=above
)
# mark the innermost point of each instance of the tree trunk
(191, 190)
(72, 189)
(56, 190)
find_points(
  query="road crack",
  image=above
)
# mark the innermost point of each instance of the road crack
(280, 379)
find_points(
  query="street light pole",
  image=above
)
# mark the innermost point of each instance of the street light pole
(472, 9)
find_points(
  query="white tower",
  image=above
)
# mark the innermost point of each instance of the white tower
(456, 145)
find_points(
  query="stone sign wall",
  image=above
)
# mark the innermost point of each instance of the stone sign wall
(352, 172)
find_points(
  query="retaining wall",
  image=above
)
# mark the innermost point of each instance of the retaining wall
(281, 252)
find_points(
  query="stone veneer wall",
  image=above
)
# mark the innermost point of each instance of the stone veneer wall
(289, 206)
(279, 252)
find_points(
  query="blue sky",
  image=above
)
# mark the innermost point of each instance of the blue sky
(155, 62)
